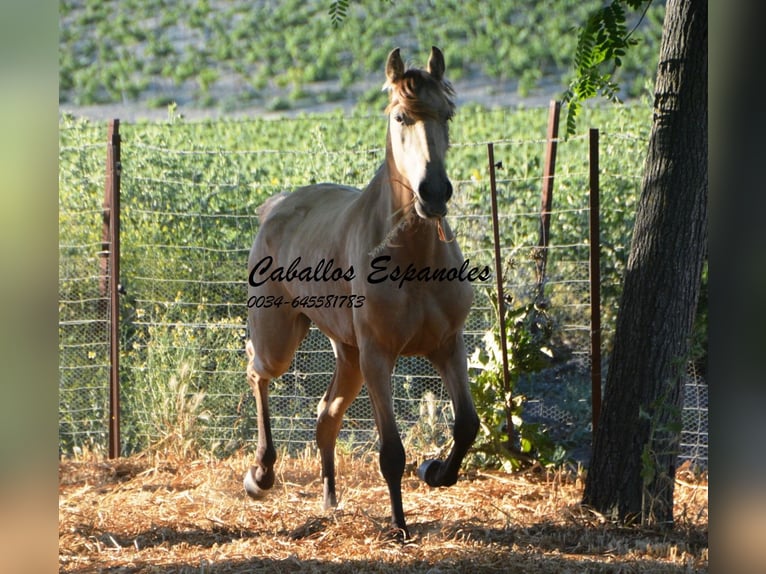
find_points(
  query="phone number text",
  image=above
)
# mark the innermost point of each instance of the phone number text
(307, 302)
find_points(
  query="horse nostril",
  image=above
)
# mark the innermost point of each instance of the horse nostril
(433, 198)
(435, 193)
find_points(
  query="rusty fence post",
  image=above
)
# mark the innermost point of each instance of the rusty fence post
(595, 278)
(111, 266)
(546, 203)
(500, 295)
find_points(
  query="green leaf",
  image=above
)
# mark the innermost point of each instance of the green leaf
(338, 12)
(526, 445)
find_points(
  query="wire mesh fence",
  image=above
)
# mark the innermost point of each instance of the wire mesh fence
(694, 419)
(188, 219)
(84, 363)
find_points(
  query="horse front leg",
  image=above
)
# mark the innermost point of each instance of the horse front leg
(376, 370)
(451, 363)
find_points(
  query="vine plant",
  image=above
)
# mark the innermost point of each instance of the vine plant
(512, 444)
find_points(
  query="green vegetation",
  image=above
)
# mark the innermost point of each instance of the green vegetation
(190, 191)
(236, 53)
(528, 332)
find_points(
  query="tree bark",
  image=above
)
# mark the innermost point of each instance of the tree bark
(635, 448)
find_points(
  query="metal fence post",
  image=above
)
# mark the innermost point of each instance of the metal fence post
(549, 172)
(595, 279)
(500, 296)
(112, 219)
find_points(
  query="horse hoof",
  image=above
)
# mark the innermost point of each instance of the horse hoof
(399, 534)
(427, 472)
(330, 501)
(251, 482)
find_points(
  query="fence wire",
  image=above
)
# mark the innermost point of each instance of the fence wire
(188, 220)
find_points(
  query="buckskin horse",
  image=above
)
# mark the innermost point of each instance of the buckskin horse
(376, 271)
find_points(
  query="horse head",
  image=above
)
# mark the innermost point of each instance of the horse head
(420, 107)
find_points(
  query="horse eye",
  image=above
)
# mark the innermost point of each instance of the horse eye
(399, 118)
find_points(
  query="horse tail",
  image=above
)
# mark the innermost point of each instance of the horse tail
(267, 206)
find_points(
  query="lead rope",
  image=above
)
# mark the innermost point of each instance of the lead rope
(440, 232)
(404, 222)
(390, 237)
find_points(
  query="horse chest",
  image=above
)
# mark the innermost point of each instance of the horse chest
(415, 318)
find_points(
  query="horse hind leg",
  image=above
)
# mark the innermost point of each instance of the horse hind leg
(260, 477)
(345, 386)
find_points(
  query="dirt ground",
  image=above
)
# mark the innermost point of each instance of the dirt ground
(152, 513)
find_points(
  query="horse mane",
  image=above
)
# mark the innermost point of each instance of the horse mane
(407, 92)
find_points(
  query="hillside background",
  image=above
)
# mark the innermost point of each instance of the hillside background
(134, 58)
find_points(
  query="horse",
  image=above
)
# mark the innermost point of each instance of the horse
(375, 271)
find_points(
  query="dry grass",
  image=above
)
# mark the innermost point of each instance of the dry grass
(154, 513)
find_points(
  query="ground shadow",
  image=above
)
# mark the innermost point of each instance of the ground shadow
(542, 548)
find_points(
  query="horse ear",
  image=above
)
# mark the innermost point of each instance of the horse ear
(436, 63)
(394, 67)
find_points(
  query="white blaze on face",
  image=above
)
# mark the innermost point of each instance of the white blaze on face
(415, 145)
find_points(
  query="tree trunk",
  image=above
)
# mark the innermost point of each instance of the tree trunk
(635, 448)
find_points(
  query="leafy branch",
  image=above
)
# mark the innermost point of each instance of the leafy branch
(601, 44)
(338, 12)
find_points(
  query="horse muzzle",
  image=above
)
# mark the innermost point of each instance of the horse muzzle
(430, 211)
(431, 201)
